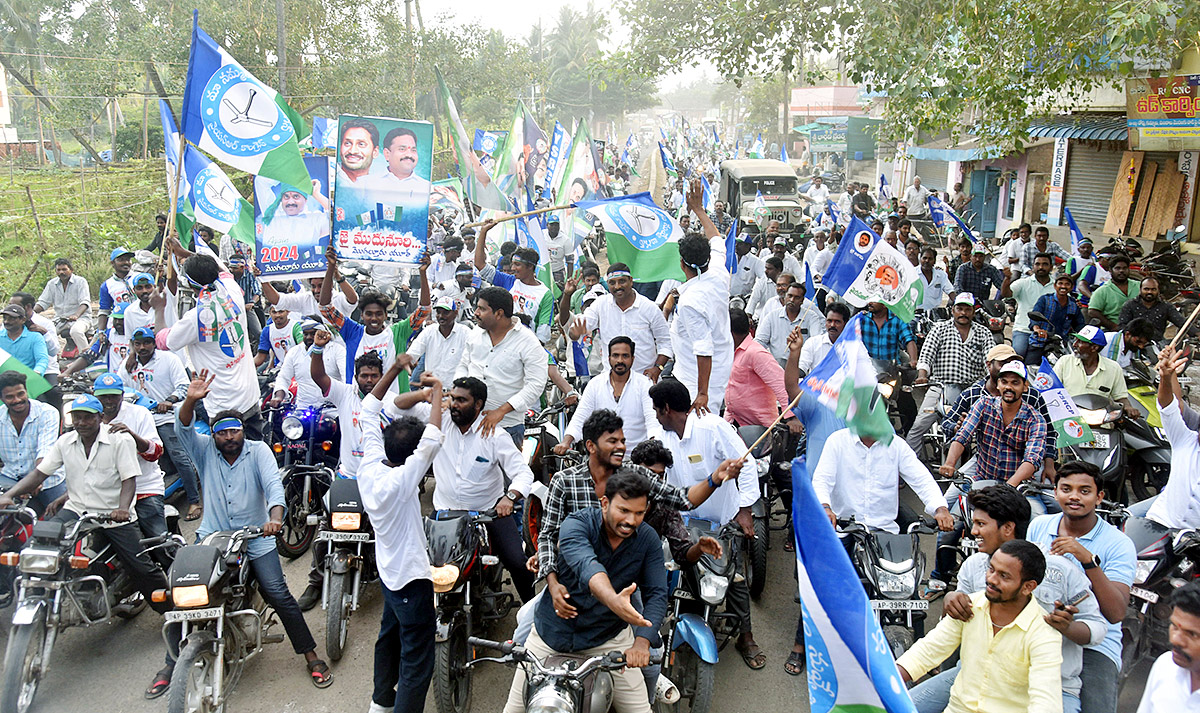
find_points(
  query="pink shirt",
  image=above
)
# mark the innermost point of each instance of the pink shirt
(756, 392)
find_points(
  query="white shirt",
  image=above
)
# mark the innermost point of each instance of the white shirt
(94, 480)
(141, 421)
(701, 327)
(393, 503)
(817, 260)
(915, 199)
(158, 379)
(351, 419)
(53, 346)
(792, 266)
(559, 247)
(935, 289)
(749, 269)
(514, 370)
(304, 231)
(305, 303)
(775, 326)
(643, 322)
(818, 194)
(1178, 505)
(1012, 250)
(1169, 689)
(864, 482)
(136, 317)
(409, 191)
(282, 339)
(470, 470)
(635, 408)
(813, 351)
(236, 384)
(708, 440)
(442, 354)
(296, 366)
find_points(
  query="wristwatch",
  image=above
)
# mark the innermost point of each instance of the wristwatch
(1092, 564)
(513, 496)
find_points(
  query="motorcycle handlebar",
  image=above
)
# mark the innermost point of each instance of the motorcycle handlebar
(503, 647)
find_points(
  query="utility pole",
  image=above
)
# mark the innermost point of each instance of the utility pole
(408, 14)
(281, 48)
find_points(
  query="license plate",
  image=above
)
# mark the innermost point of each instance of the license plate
(1185, 379)
(194, 614)
(1144, 594)
(1101, 441)
(681, 593)
(900, 604)
(335, 536)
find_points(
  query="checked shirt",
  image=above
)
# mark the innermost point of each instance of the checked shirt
(1002, 449)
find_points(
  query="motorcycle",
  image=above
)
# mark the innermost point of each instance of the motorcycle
(16, 525)
(224, 622)
(306, 446)
(933, 443)
(1106, 450)
(995, 315)
(891, 383)
(891, 568)
(562, 683)
(63, 582)
(1054, 348)
(693, 621)
(542, 433)
(349, 563)
(468, 590)
(923, 322)
(1149, 450)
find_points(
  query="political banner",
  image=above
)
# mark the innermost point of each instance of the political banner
(537, 155)
(291, 230)
(447, 195)
(556, 157)
(324, 133)
(867, 269)
(381, 192)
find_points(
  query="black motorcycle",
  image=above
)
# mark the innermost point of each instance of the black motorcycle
(1106, 450)
(349, 563)
(306, 446)
(468, 591)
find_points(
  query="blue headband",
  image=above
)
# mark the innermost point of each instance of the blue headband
(227, 424)
(618, 273)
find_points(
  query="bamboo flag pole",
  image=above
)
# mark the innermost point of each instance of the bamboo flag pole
(1186, 325)
(539, 211)
(173, 196)
(772, 426)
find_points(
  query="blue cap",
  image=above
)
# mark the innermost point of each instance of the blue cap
(1092, 334)
(306, 324)
(108, 383)
(86, 402)
(118, 310)
(118, 252)
(140, 278)
(552, 219)
(143, 333)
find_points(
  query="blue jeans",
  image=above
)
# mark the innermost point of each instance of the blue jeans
(182, 461)
(933, 695)
(1099, 676)
(404, 649)
(518, 434)
(1020, 342)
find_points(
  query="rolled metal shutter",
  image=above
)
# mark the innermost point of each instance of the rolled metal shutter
(932, 173)
(1091, 175)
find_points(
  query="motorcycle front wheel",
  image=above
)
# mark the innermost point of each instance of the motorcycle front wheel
(451, 677)
(23, 664)
(337, 616)
(195, 676)
(756, 566)
(704, 675)
(297, 535)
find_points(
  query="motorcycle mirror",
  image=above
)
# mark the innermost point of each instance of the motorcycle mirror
(1037, 316)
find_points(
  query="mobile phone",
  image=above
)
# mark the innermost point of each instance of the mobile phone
(1075, 600)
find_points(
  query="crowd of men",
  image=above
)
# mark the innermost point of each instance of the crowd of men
(682, 383)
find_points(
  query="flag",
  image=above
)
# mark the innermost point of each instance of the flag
(238, 120)
(884, 193)
(447, 194)
(34, 383)
(666, 160)
(324, 133)
(510, 154)
(487, 141)
(556, 158)
(1064, 415)
(737, 147)
(850, 666)
(833, 210)
(846, 382)
(810, 290)
(866, 269)
(185, 218)
(756, 151)
(947, 210)
(579, 357)
(716, 139)
(216, 201)
(1076, 233)
(938, 210)
(478, 185)
(625, 158)
(707, 194)
(730, 255)
(783, 154)
(640, 234)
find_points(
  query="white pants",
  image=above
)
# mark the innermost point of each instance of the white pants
(629, 686)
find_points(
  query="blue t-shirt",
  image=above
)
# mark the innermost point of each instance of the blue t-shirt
(1118, 560)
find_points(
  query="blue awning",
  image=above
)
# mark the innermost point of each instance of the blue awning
(1091, 128)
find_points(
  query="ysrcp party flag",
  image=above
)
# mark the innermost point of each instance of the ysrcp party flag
(866, 269)
(185, 218)
(846, 383)
(578, 182)
(640, 234)
(447, 195)
(477, 183)
(291, 230)
(666, 160)
(215, 200)
(488, 141)
(1076, 233)
(238, 120)
(536, 150)
(850, 667)
(381, 191)
(324, 133)
(1064, 415)
(34, 383)
(510, 157)
(556, 157)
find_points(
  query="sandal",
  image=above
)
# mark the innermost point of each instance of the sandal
(753, 656)
(934, 590)
(162, 681)
(794, 665)
(321, 676)
(195, 512)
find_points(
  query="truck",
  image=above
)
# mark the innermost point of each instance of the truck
(742, 180)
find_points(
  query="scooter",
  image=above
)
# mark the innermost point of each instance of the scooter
(1106, 450)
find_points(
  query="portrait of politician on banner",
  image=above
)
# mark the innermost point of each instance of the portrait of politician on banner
(381, 190)
(291, 230)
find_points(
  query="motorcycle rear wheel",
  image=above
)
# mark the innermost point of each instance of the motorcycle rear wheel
(337, 616)
(756, 569)
(1146, 481)
(192, 681)
(451, 677)
(23, 664)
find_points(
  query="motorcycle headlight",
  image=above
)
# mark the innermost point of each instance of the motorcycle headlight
(1141, 573)
(891, 583)
(886, 388)
(292, 428)
(195, 595)
(550, 700)
(346, 520)
(712, 588)
(38, 561)
(1093, 416)
(444, 577)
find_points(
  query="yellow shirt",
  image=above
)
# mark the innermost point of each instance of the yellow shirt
(1107, 380)
(1015, 670)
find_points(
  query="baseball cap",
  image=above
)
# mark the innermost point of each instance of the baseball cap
(307, 324)
(445, 302)
(979, 249)
(140, 278)
(1014, 367)
(118, 310)
(142, 333)
(108, 383)
(1092, 334)
(552, 218)
(1000, 352)
(118, 252)
(86, 402)
(596, 292)
(965, 298)
(14, 310)
(780, 240)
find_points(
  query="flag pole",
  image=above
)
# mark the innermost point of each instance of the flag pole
(773, 423)
(173, 196)
(514, 216)
(1183, 330)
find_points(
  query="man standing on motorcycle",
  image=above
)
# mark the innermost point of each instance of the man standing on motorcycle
(605, 555)
(71, 297)
(1086, 372)
(1000, 514)
(1026, 292)
(700, 443)
(1108, 299)
(242, 489)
